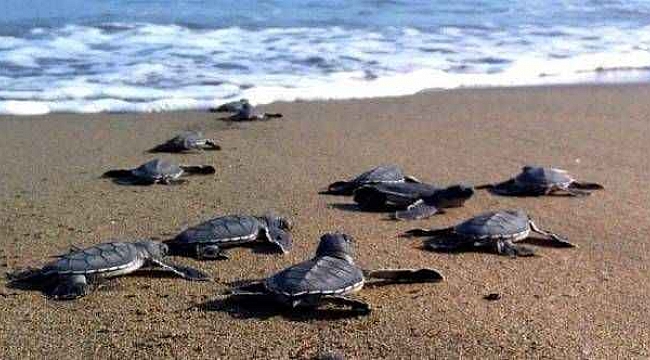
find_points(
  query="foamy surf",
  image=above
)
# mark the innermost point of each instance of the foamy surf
(145, 67)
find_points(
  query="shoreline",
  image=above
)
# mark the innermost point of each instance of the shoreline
(589, 302)
(637, 80)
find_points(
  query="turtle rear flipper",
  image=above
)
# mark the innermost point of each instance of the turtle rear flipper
(255, 288)
(405, 275)
(412, 179)
(559, 240)
(210, 252)
(574, 191)
(428, 232)
(512, 188)
(165, 148)
(70, 288)
(586, 186)
(340, 188)
(117, 174)
(448, 244)
(25, 275)
(211, 145)
(416, 211)
(186, 272)
(358, 306)
(506, 247)
(281, 239)
(267, 116)
(198, 169)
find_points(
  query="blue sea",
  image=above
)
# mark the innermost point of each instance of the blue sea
(158, 55)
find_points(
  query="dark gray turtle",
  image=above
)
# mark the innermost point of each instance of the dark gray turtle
(70, 276)
(186, 141)
(418, 200)
(207, 240)
(247, 112)
(497, 230)
(157, 171)
(329, 277)
(233, 106)
(377, 175)
(537, 181)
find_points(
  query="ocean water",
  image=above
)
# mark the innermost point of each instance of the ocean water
(158, 55)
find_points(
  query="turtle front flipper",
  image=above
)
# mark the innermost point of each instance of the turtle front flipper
(198, 169)
(70, 287)
(186, 272)
(358, 306)
(507, 247)
(280, 238)
(560, 240)
(412, 179)
(416, 211)
(424, 275)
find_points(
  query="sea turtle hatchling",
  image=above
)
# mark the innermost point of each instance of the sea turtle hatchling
(233, 106)
(330, 277)
(417, 200)
(537, 181)
(497, 230)
(379, 174)
(207, 240)
(70, 276)
(186, 141)
(247, 112)
(157, 171)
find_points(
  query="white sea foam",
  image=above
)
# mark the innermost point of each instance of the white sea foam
(147, 67)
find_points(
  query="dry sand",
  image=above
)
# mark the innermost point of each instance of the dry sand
(589, 302)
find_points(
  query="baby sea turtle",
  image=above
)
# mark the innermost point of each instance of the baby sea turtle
(247, 112)
(157, 171)
(207, 240)
(497, 230)
(70, 276)
(537, 181)
(233, 106)
(186, 141)
(379, 174)
(418, 200)
(329, 277)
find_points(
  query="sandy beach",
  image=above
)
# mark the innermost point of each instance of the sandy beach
(591, 302)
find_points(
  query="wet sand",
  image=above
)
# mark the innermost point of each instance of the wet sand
(591, 302)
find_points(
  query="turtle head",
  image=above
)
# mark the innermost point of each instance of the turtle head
(337, 245)
(453, 196)
(153, 249)
(278, 222)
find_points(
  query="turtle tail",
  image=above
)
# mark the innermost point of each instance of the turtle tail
(272, 115)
